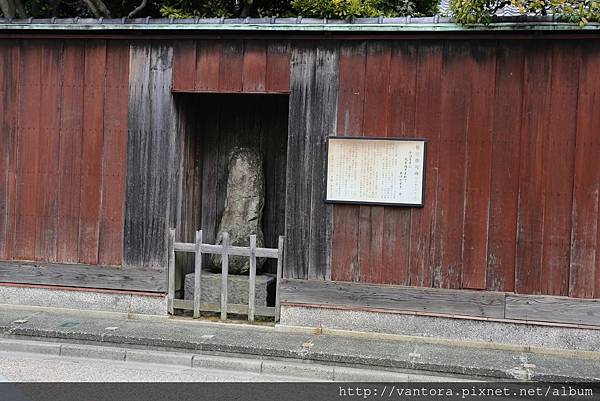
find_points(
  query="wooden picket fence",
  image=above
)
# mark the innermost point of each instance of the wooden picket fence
(225, 250)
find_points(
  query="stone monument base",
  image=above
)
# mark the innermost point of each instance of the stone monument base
(237, 288)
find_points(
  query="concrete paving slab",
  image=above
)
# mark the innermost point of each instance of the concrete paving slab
(267, 342)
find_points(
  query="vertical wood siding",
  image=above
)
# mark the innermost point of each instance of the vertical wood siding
(231, 66)
(511, 201)
(61, 150)
(512, 184)
(151, 176)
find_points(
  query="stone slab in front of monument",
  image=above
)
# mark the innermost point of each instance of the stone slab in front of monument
(237, 288)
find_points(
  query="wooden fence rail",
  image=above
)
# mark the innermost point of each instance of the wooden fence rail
(225, 250)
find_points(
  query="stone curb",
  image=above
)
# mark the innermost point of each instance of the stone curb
(306, 370)
(433, 367)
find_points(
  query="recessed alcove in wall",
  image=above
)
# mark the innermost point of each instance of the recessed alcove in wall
(209, 126)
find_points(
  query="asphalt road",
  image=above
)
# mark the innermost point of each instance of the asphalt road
(20, 367)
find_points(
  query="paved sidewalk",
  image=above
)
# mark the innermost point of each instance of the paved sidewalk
(303, 347)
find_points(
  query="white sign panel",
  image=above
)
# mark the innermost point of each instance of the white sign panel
(386, 171)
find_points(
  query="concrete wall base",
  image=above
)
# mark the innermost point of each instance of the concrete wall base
(84, 299)
(448, 328)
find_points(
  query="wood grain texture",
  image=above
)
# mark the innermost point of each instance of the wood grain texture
(530, 225)
(278, 66)
(504, 180)
(208, 62)
(427, 121)
(451, 176)
(344, 252)
(48, 155)
(83, 276)
(9, 78)
(559, 144)
(323, 124)
(401, 97)
(553, 309)
(184, 65)
(91, 151)
(354, 295)
(313, 109)
(28, 123)
(231, 66)
(150, 147)
(584, 264)
(254, 72)
(71, 137)
(478, 166)
(110, 242)
(376, 111)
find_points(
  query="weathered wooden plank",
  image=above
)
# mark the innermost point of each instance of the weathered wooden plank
(504, 189)
(84, 276)
(91, 151)
(401, 98)
(427, 92)
(161, 144)
(224, 275)
(197, 273)
(28, 124)
(71, 136)
(252, 279)
(233, 250)
(478, 165)
(48, 155)
(5, 147)
(537, 88)
(9, 78)
(255, 66)
(371, 221)
(559, 144)
(171, 270)
(309, 123)
(278, 66)
(451, 174)
(184, 65)
(322, 125)
(278, 277)
(210, 158)
(354, 295)
(110, 248)
(298, 185)
(150, 149)
(553, 309)
(137, 153)
(231, 66)
(208, 60)
(584, 276)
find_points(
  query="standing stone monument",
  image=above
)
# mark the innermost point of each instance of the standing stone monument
(242, 217)
(244, 203)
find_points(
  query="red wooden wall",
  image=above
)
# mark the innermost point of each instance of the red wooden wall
(230, 66)
(513, 168)
(63, 138)
(513, 177)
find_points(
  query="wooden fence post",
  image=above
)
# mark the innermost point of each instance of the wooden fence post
(197, 273)
(252, 281)
(224, 275)
(278, 279)
(171, 270)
